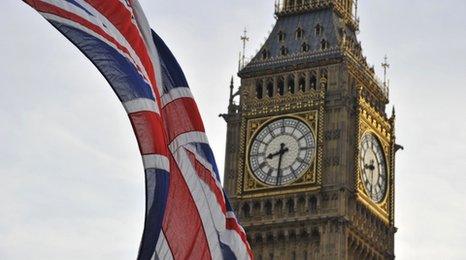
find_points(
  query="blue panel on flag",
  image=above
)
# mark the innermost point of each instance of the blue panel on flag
(227, 253)
(206, 152)
(125, 80)
(157, 182)
(172, 74)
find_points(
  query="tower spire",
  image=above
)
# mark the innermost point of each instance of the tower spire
(232, 86)
(356, 9)
(244, 38)
(385, 66)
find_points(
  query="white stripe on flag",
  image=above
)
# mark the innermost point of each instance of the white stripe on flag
(228, 237)
(162, 250)
(141, 104)
(187, 138)
(176, 93)
(208, 166)
(156, 161)
(210, 218)
(146, 32)
(236, 244)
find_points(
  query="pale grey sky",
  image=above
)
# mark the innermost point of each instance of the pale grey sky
(71, 179)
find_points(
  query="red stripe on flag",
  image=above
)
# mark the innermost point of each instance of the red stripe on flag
(182, 116)
(206, 176)
(182, 224)
(232, 224)
(122, 19)
(149, 132)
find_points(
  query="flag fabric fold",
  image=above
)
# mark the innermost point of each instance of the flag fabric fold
(187, 213)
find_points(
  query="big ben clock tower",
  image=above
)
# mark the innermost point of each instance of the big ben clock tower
(310, 149)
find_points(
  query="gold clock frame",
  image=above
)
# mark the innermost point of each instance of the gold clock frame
(371, 122)
(311, 180)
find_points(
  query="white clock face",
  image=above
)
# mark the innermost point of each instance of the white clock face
(282, 151)
(373, 168)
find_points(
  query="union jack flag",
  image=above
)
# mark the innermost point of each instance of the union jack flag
(187, 213)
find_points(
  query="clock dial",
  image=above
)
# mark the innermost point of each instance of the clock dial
(373, 168)
(282, 151)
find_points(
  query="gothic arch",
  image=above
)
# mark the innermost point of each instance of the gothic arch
(313, 80)
(290, 205)
(268, 208)
(259, 89)
(290, 83)
(246, 210)
(270, 88)
(302, 82)
(281, 86)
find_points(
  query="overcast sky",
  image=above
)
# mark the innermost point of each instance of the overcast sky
(71, 179)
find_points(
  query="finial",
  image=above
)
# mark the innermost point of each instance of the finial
(232, 86)
(393, 111)
(385, 66)
(232, 82)
(356, 9)
(239, 61)
(244, 39)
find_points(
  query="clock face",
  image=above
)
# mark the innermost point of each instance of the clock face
(373, 168)
(282, 151)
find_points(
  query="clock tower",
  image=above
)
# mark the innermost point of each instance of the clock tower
(310, 153)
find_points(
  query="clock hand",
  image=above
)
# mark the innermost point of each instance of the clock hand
(272, 155)
(282, 151)
(371, 168)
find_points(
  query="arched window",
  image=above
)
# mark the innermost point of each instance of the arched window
(281, 36)
(283, 51)
(279, 206)
(281, 86)
(256, 208)
(302, 83)
(313, 205)
(246, 210)
(270, 89)
(259, 90)
(323, 79)
(265, 54)
(305, 47)
(324, 44)
(290, 83)
(301, 204)
(319, 29)
(290, 205)
(313, 81)
(299, 33)
(268, 208)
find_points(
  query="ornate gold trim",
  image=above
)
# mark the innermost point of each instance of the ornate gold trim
(250, 186)
(370, 121)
